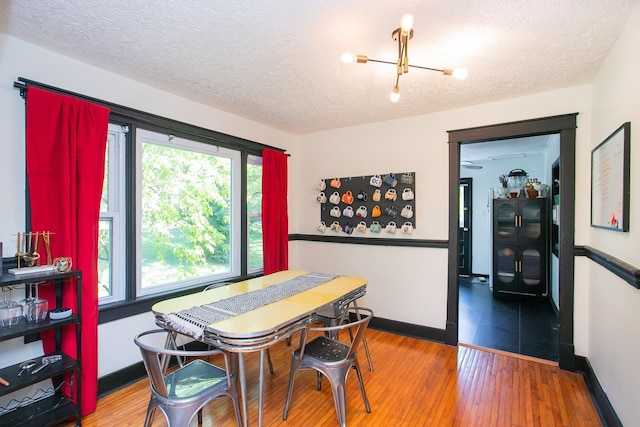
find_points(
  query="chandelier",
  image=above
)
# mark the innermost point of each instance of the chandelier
(402, 35)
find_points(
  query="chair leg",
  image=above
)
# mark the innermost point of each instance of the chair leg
(269, 361)
(366, 351)
(338, 385)
(233, 394)
(151, 409)
(295, 363)
(356, 366)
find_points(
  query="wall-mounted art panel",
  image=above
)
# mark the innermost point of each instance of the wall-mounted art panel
(363, 205)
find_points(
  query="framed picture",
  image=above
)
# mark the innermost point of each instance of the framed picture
(610, 181)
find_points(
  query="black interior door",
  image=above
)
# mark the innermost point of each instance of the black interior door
(464, 256)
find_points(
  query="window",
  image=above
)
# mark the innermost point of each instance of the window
(254, 213)
(175, 219)
(188, 194)
(111, 254)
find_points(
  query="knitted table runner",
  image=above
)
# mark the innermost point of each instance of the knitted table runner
(194, 320)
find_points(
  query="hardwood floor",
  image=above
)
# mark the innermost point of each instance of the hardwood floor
(414, 383)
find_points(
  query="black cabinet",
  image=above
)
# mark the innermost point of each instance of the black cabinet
(520, 246)
(57, 407)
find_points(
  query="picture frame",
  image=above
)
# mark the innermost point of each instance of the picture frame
(610, 181)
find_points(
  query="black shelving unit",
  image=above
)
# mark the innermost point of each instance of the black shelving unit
(57, 407)
(520, 241)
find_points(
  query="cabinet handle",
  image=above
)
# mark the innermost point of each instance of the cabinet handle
(519, 266)
(517, 221)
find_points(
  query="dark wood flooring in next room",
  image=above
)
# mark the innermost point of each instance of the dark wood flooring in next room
(513, 324)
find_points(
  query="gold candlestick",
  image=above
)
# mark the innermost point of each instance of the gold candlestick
(46, 236)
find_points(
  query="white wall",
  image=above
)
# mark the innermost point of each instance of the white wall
(613, 305)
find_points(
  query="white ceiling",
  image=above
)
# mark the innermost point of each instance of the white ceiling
(277, 62)
(528, 146)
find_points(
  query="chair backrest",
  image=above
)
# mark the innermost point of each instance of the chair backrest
(355, 327)
(156, 359)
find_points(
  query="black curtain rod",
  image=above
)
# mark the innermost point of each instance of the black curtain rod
(23, 88)
(23, 85)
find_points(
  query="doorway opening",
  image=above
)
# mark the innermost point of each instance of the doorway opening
(464, 252)
(565, 127)
(504, 300)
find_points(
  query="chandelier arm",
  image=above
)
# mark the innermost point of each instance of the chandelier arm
(401, 49)
(380, 61)
(426, 68)
(405, 59)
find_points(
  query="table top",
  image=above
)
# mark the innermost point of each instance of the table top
(270, 318)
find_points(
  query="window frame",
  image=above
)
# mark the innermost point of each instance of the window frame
(134, 119)
(252, 160)
(237, 246)
(116, 211)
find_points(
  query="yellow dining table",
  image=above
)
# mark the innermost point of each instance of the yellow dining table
(254, 314)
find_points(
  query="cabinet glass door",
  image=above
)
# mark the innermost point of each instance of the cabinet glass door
(531, 223)
(505, 220)
(506, 261)
(532, 267)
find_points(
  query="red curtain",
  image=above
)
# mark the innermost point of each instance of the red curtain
(65, 151)
(275, 223)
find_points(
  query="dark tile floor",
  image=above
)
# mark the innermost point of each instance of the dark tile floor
(515, 324)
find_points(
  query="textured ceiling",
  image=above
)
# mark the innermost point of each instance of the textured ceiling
(277, 62)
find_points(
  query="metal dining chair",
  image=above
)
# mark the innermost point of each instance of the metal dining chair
(331, 358)
(332, 320)
(183, 392)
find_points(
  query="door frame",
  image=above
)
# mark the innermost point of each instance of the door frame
(469, 183)
(565, 126)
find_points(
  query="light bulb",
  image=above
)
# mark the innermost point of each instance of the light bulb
(460, 73)
(347, 57)
(406, 23)
(395, 94)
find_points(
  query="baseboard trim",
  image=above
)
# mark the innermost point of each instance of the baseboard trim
(408, 329)
(600, 400)
(120, 379)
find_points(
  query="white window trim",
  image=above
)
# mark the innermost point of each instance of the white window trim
(236, 244)
(116, 153)
(253, 160)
